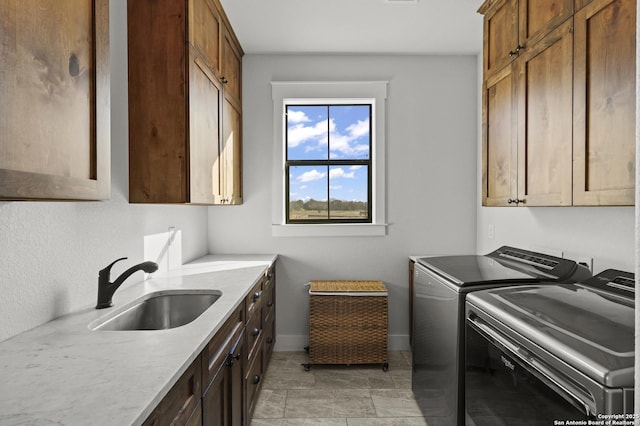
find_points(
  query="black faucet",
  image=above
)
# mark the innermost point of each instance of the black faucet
(106, 288)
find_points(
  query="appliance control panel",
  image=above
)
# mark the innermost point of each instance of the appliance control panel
(613, 281)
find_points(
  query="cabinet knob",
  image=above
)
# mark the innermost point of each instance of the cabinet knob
(270, 304)
(255, 331)
(256, 379)
(515, 201)
(515, 51)
(269, 340)
(256, 295)
(224, 80)
(231, 359)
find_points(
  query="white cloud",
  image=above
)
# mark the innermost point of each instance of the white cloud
(338, 172)
(359, 129)
(310, 176)
(299, 133)
(316, 136)
(354, 168)
(297, 117)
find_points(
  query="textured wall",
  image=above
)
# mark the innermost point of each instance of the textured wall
(50, 253)
(431, 180)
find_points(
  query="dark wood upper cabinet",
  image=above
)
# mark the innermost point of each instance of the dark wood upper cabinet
(185, 115)
(559, 105)
(511, 26)
(54, 100)
(604, 166)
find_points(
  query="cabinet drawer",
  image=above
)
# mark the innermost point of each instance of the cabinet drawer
(254, 300)
(254, 331)
(253, 378)
(196, 417)
(268, 300)
(269, 331)
(216, 351)
(182, 400)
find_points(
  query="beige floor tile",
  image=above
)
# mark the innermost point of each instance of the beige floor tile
(337, 395)
(399, 421)
(329, 403)
(395, 403)
(299, 422)
(270, 404)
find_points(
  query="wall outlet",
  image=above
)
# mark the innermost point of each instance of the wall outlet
(491, 231)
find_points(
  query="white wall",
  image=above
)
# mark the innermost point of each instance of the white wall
(50, 253)
(431, 180)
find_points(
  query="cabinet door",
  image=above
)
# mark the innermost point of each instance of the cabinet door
(205, 29)
(500, 35)
(158, 96)
(604, 103)
(54, 100)
(182, 401)
(229, 164)
(544, 97)
(538, 18)
(216, 400)
(204, 132)
(231, 69)
(236, 382)
(499, 147)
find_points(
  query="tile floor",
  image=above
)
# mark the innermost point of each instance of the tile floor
(362, 395)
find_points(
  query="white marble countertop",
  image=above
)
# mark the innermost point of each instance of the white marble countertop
(65, 374)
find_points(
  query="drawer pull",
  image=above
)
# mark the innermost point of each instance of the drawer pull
(256, 295)
(255, 331)
(256, 379)
(231, 359)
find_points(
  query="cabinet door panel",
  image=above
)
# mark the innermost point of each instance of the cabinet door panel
(604, 104)
(54, 99)
(178, 406)
(231, 153)
(538, 18)
(205, 27)
(499, 155)
(500, 35)
(232, 66)
(544, 95)
(158, 122)
(204, 133)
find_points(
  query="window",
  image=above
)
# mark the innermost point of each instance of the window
(329, 165)
(328, 162)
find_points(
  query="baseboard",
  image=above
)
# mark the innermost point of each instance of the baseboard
(291, 342)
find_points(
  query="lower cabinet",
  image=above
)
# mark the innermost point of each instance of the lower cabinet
(221, 386)
(222, 401)
(181, 406)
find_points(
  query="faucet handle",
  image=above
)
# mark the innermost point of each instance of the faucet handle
(107, 270)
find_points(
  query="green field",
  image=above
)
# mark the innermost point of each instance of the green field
(320, 210)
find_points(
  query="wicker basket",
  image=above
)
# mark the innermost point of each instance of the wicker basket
(348, 323)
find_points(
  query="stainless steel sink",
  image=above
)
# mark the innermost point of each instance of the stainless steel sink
(159, 311)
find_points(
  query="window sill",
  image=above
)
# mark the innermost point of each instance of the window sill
(329, 230)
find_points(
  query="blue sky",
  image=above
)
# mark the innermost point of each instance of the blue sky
(315, 133)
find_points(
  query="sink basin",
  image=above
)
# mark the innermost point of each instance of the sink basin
(159, 311)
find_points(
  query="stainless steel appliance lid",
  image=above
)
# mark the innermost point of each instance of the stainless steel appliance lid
(589, 329)
(504, 265)
(469, 270)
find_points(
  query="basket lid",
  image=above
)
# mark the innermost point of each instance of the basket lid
(344, 286)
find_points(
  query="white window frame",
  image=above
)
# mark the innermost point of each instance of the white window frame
(284, 93)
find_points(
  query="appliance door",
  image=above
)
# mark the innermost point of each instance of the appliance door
(438, 314)
(505, 385)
